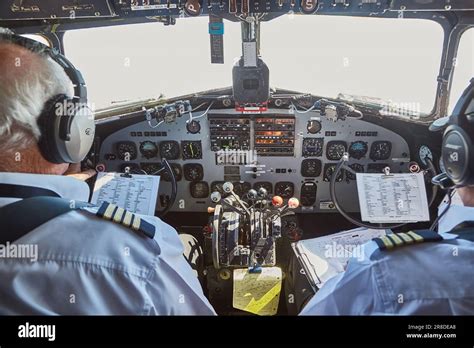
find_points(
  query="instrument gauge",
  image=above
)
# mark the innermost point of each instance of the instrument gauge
(193, 172)
(380, 150)
(313, 126)
(311, 168)
(199, 189)
(191, 149)
(285, 189)
(169, 150)
(425, 152)
(241, 188)
(265, 184)
(178, 173)
(358, 149)
(126, 150)
(148, 149)
(313, 147)
(335, 150)
(151, 168)
(193, 127)
(356, 167)
(329, 170)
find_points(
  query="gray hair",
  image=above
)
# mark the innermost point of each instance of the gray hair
(23, 96)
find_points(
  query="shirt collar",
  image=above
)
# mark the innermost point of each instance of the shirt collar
(456, 215)
(64, 186)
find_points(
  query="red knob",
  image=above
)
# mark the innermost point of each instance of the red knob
(277, 201)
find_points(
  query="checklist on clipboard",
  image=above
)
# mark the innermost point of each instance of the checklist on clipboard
(392, 198)
(133, 192)
(325, 257)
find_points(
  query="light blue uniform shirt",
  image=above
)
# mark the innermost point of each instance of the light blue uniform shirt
(86, 265)
(431, 278)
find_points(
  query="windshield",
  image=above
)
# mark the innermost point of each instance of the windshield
(394, 60)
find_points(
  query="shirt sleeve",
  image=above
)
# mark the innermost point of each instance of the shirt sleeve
(172, 287)
(353, 292)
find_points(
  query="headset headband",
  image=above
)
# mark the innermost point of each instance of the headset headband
(80, 90)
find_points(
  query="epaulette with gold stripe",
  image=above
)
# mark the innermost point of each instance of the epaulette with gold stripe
(114, 213)
(394, 240)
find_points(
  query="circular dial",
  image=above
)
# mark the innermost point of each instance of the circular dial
(148, 149)
(358, 149)
(265, 184)
(357, 167)
(425, 152)
(193, 172)
(335, 150)
(313, 147)
(178, 173)
(241, 188)
(126, 150)
(199, 189)
(380, 150)
(285, 189)
(311, 167)
(169, 150)
(313, 126)
(150, 167)
(329, 170)
(191, 149)
(193, 127)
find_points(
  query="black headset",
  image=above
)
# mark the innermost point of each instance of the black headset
(66, 123)
(457, 153)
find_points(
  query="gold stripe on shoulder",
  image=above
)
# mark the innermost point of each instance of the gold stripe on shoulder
(387, 242)
(108, 212)
(416, 236)
(397, 240)
(405, 237)
(118, 214)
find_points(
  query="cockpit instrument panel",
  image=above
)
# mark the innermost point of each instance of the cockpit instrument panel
(270, 150)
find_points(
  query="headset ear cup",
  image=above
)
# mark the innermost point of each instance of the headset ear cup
(49, 122)
(457, 155)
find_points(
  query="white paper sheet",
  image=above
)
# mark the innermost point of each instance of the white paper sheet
(324, 257)
(392, 198)
(138, 193)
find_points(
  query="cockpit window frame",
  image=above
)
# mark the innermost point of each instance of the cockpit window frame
(453, 23)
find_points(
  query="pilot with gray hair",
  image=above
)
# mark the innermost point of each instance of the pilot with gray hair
(90, 260)
(418, 272)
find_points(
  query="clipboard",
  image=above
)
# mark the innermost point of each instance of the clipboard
(136, 193)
